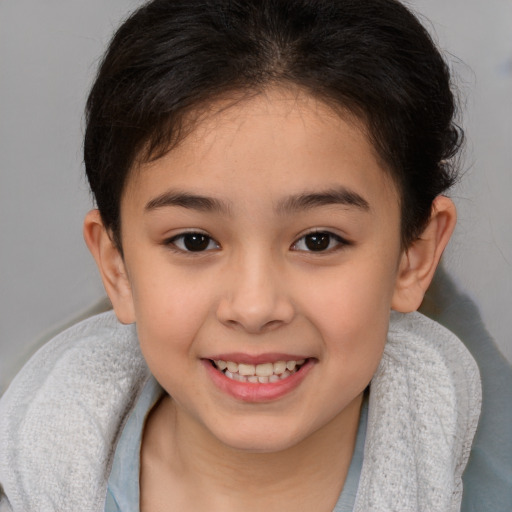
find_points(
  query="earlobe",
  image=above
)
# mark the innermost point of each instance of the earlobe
(421, 258)
(111, 266)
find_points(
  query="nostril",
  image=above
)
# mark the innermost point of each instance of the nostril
(273, 324)
(255, 309)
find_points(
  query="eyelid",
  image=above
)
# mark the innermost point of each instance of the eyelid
(340, 241)
(170, 242)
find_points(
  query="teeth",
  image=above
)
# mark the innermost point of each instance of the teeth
(232, 367)
(221, 365)
(264, 370)
(263, 373)
(246, 369)
(280, 367)
(290, 365)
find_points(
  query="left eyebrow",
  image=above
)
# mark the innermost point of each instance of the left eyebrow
(338, 196)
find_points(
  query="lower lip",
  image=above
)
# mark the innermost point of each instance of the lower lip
(257, 392)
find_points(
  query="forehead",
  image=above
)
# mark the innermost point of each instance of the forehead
(274, 140)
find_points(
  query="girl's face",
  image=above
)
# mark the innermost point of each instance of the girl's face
(267, 242)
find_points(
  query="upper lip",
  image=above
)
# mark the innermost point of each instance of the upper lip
(256, 358)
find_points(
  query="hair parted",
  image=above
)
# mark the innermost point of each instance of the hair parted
(370, 57)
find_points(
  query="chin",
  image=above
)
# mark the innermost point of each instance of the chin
(262, 439)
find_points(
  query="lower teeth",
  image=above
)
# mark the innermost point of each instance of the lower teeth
(254, 379)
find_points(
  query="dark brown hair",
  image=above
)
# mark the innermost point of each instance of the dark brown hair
(370, 57)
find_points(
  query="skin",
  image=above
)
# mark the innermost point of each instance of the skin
(273, 169)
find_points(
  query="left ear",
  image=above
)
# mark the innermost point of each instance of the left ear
(419, 261)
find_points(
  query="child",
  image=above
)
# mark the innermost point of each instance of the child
(269, 178)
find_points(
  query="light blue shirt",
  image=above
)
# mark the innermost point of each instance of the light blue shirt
(123, 483)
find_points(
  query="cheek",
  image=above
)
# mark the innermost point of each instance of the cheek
(169, 312)
(350, 309)
(357, 293)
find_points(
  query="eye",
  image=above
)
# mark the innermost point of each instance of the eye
(319, 241)
(193, 242)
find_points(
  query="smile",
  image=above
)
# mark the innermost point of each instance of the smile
(264, 373)
(263, 380)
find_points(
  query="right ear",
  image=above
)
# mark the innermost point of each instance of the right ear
(111, 266)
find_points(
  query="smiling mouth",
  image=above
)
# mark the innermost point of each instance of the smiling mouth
(264, 373)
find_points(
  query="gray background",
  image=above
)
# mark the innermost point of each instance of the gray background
(48, 54)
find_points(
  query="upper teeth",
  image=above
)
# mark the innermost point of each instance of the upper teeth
(258, 370)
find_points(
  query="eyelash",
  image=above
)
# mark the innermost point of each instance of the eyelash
(334, 242)
(178, 242)
(205, 242)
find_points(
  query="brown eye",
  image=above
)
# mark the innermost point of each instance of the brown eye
(319, 241)
(194, 242)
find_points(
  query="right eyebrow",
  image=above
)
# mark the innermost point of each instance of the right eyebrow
(186, 200)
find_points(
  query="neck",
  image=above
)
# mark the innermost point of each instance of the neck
(312, 472)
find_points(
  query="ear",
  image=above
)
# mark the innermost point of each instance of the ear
(419, 261)
(111, 266)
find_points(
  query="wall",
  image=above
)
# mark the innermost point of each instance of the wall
(477, 35)
(48, 54)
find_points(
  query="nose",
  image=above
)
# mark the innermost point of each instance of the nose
(255, 296)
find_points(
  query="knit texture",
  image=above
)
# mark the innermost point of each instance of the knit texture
(61, 418)
(424, 407)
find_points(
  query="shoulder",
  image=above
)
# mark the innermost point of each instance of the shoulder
(435, 359)
(488, 476)
(61, 415)
(425, 402)
(4, 504)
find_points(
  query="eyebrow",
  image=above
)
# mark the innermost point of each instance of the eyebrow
(292, 204)
(186, 200)
(336, 196)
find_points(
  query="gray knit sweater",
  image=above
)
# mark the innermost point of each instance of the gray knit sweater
(62, 415)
